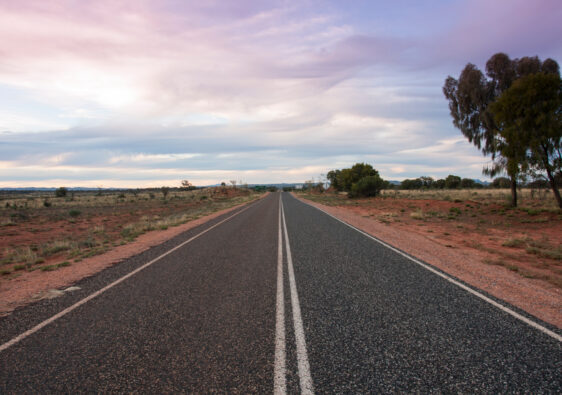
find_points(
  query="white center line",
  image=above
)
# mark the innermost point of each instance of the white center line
(279, 383)
(302, 356)
(99, 292)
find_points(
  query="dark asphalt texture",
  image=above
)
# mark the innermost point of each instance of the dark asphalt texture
(202, 320)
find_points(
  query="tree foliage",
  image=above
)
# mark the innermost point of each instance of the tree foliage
(467, 183)
(360, 180)
(469, 103)
(343, 180)
(185, 184)
(452, 182)
(529, 116)
(61, 192)
(416, 183)
(367, 186)
(501, 182)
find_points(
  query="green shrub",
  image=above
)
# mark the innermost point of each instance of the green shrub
(90, 242)
(367, 186)
(74, 213)
(454, 211)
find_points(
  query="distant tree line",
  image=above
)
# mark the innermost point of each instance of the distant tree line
(362, 180)
(456, 182)
(451, 182)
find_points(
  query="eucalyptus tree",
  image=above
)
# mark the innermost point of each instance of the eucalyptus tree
(529, 115)
(469, 102)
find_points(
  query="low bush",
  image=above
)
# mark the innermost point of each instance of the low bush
(74, 213)
(367, 187)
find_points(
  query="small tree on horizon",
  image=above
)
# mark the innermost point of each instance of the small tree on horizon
(185, 184)
(61, 192)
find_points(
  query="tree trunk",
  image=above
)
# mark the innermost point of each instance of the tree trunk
(513, 191)
(554, 188)
(548, 169)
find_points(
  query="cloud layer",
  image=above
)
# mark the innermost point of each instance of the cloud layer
(144, 93)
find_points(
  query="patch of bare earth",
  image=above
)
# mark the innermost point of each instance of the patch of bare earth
(516, 260)
(31, 286)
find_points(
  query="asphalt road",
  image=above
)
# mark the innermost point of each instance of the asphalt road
(269, 299)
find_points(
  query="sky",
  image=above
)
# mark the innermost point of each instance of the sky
(141, 93)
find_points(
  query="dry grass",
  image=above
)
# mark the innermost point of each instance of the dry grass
(19, 255)
(35, 235)
(89, 199)
(527, 197)
(418, 214)
(542, 247)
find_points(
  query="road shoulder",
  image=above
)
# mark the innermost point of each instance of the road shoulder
(535, 297)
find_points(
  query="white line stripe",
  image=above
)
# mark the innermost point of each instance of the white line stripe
(529, 322)
(279, 380)
(99, 292)
(302, 356)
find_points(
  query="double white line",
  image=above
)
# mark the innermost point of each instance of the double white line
(279, 381)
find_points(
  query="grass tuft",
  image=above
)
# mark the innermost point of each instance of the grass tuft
(418, 214)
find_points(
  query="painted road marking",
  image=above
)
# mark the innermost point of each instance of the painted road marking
(520, 317)
(302, 355)
(279, 380)
(99, 292)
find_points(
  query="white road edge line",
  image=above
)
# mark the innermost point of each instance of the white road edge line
(302, 355)
(529, 322)
(99, 292)
(279, 379)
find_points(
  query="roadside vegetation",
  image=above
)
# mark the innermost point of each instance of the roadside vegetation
(49, 230)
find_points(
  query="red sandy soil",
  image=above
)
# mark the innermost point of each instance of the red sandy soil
(32, 286)
(472, 253)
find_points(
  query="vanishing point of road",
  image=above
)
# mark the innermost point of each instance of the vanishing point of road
(276, 296)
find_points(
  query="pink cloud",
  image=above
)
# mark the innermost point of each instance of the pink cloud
(518, 27)
(198, 54)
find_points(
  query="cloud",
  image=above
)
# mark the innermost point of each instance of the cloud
(149, 91)
(517, 27)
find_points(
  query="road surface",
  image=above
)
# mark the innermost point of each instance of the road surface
(277, 297)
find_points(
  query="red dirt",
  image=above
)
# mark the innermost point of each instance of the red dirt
(472, 252)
